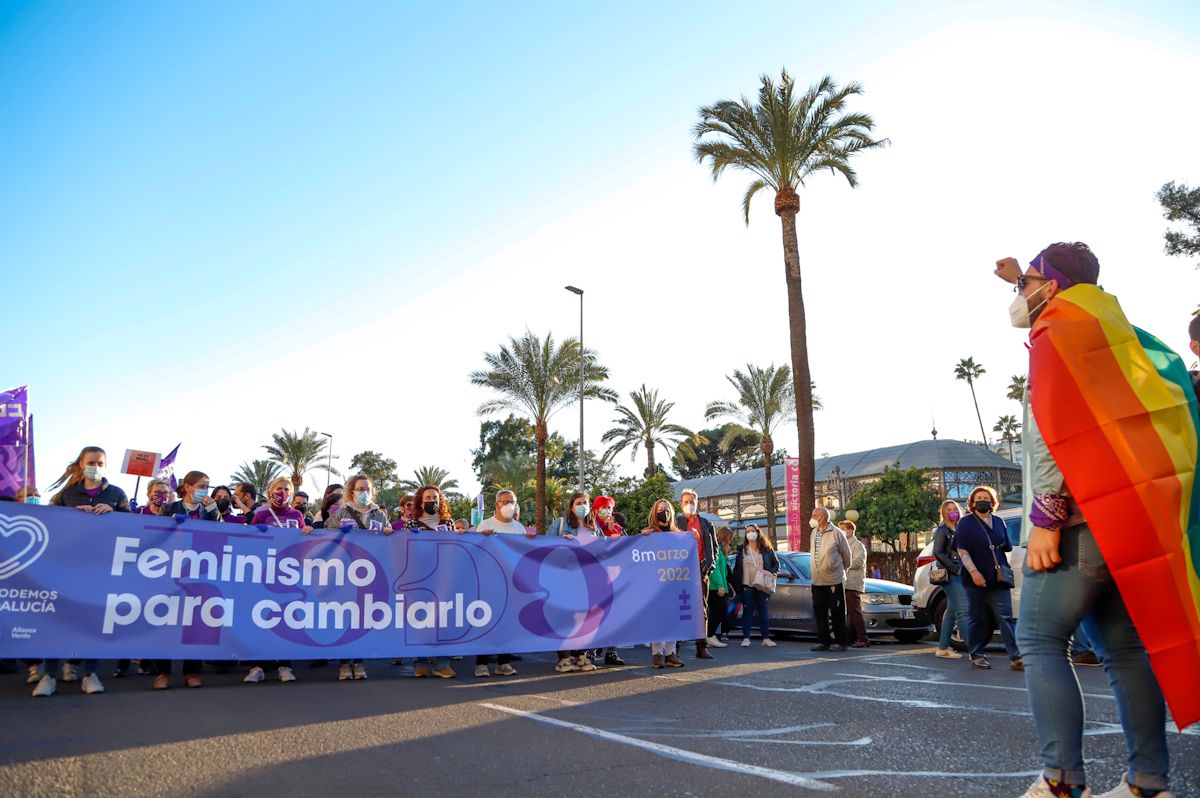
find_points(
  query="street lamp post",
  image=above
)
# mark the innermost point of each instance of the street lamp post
(579, 292)
(328, 460)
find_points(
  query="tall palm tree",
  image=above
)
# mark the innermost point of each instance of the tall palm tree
(1016, 387)
(428, 475)
(557, 491)
(967, 369)
(783, 139)
(645, 426)
(765, 400)
(258, 473)
(299, 453)
(1010, 432)
(537, 377)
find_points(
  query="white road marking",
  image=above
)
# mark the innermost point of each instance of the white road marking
(940, 683)
(670, 752)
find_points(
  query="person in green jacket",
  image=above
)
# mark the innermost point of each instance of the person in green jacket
(718, 588)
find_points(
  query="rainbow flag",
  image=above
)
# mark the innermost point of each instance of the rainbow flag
(1118, 413)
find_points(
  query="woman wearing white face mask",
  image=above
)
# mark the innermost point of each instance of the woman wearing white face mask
(194, 499)
(754, 556)
(360, 514)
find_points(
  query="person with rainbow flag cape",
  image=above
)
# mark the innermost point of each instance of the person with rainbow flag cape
(1111, 531)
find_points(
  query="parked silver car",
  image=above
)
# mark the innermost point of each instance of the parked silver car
(930, 600)
(887, 606)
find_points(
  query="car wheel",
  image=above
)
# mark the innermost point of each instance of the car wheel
(909, 635)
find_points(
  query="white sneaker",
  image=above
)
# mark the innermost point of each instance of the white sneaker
(1040, 789)
(344, 673)
(35, 674)
(506, 670)
(91, 684)
(947, 653)
(255, 675)
(584, 663)
(768, 642)
(286, 675)
(745, 642)
(566, 665)
(360, 672)
(70, 673)
(45, 686)
(482, 671)
(1122, 791)
(715, 642)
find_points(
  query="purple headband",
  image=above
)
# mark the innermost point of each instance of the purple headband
(1042, 265)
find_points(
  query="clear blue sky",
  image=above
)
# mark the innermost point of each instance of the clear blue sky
(202, 204)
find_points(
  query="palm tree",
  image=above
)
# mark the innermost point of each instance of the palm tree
(1010, 432)
(557, 491)
(509, 471)
(428, 475)
(538, 377)
(646, 426)
(299, 453)
(765, 400)
(258, 473)
(1016, 387)
(967, 369)
(783, 139)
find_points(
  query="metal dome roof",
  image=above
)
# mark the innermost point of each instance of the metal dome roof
(948, 454)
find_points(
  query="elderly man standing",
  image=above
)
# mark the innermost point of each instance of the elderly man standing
(856, 581)
(830, 559)
(504, 521)
(706, 545)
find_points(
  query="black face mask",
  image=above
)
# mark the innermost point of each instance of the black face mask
(661, 516)
(223, 505)
(430, 507)
(302, 508)
(984, 506)
(337, 498)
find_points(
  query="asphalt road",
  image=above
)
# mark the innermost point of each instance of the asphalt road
(891, 721)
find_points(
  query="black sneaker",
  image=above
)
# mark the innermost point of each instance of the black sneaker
(837, 647)
(819, 647)
(612, 658)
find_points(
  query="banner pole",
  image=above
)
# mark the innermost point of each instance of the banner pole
(25, 480)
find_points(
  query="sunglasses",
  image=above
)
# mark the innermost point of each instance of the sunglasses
(1024, 279)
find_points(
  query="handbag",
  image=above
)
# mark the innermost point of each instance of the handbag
(1004, 573)
(938, 575)
(765, 581)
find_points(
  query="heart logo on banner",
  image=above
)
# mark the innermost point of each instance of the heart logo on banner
(27, 530)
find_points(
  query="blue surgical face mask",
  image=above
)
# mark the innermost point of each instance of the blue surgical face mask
(201, 493)
(581, 511)
(363, 497)
(94, 473)
(32, 500)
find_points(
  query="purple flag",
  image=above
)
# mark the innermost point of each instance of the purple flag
(14, 409)
(166, 467)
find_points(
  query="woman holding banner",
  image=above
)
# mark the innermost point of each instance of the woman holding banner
(194, 501)
(662, 519)
(579, 517)
(431, 513)
(278, 512)
(360, 513)
(158, 496)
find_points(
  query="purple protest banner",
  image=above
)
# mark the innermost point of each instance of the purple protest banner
(166, 467)
(14, 409)
(77, 585)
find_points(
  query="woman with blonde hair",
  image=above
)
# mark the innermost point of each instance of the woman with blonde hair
(981, 541)
(950, 564)
(662, 519)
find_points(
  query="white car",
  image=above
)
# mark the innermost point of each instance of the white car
(930, 599)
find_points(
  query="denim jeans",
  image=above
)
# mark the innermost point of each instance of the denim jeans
(999, 600)
(89, 666)
(1052, 605)
(754, 604)
(957, 612)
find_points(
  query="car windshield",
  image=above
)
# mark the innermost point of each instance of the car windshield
(800, 563)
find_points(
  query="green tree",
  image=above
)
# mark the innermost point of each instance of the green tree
(967, 369)
(900, 501)
(510, 471)
(645, 426)
(1009, 430)
(558, 489)
(537, 377)
(1181, 204)
(635, 497)
(258, 473)
(429, 475)
(381, 470)
(1016, 387)
(764, 402)
(783, 139)
(299, 453)
(563, 461)
(513, 435)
